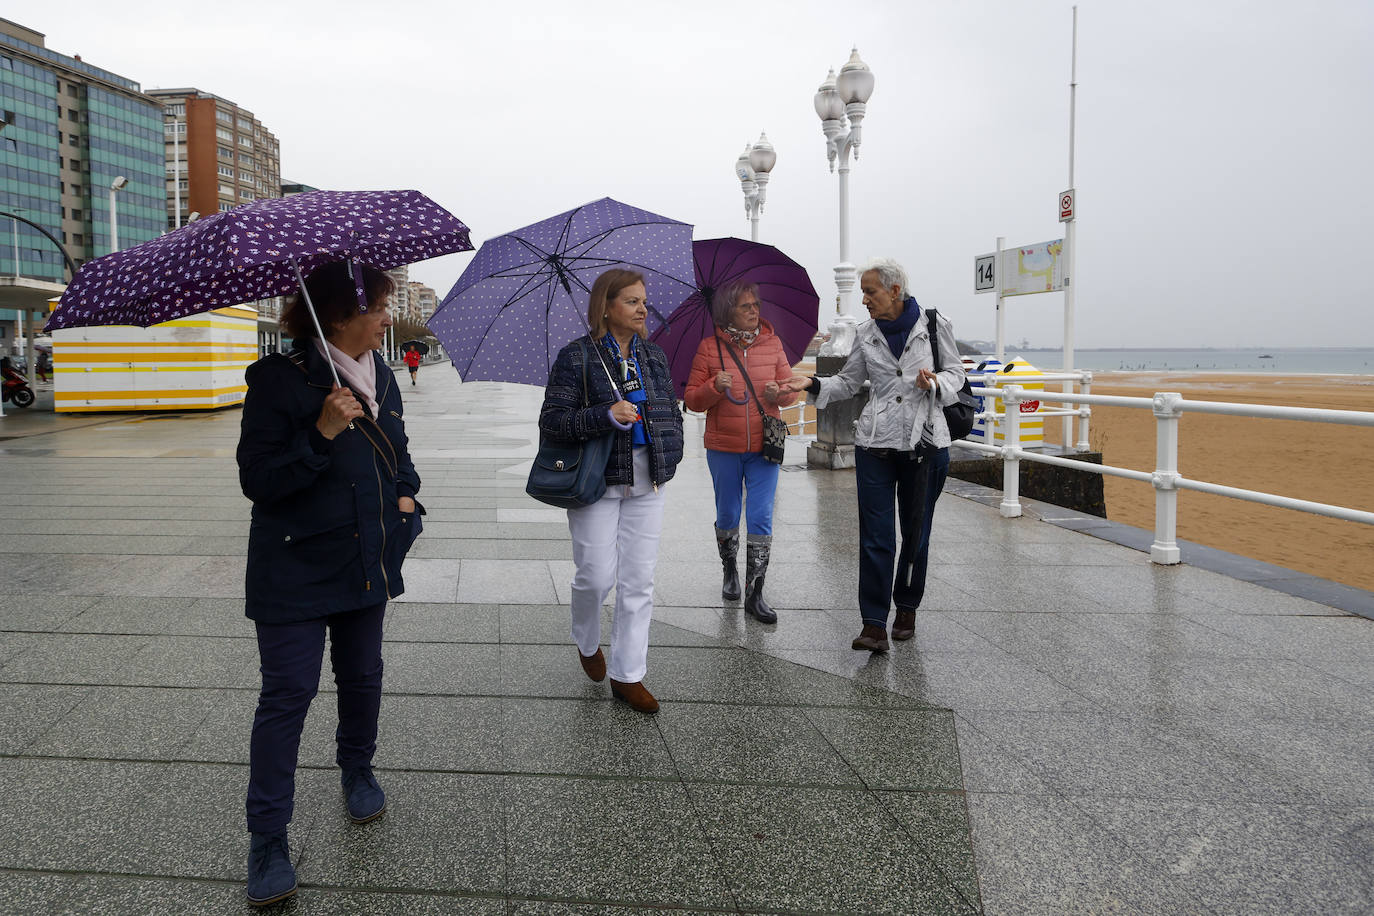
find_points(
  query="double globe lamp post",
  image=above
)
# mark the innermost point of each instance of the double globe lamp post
(840, 98)
(752, 168)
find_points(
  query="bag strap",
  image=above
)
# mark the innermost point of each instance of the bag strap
(586, 391)
(744, 372)
(933, 315)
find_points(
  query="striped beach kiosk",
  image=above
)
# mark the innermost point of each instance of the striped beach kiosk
(1032, 426)
(192, 363)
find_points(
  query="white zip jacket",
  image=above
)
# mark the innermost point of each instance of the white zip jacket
(898, 411)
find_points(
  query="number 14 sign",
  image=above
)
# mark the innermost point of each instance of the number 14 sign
(985, 273)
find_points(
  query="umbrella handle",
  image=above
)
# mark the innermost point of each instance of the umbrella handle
(310, 307)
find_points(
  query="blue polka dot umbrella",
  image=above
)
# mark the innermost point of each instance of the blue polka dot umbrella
(525, 294)
(257, 251)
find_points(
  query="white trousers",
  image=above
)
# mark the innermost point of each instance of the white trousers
(615, 543)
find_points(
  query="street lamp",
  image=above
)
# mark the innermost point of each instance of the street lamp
(117, 185)
(752, 167)
(838, 99)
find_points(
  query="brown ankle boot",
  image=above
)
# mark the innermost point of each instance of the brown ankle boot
(594, 665)
(635, 695)
(872, 638)
(904, 627)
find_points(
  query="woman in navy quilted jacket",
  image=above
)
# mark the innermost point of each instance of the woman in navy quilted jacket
(615, 540)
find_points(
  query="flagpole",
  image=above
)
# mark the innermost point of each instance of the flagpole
(1070, 241)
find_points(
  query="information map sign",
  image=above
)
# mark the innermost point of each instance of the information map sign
(1037, 268)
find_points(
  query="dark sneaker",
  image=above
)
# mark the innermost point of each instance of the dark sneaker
(366, 800)
(271, 876)
(872, 638)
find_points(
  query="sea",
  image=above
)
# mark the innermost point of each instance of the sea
(1285, 360)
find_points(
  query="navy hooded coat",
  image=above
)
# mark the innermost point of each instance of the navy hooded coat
(326, 535)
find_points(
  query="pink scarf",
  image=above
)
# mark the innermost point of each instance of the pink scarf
(359, 374)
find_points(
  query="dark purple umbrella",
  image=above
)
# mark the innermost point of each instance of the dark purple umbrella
(256, 251)
(787, 301)
(525, 294)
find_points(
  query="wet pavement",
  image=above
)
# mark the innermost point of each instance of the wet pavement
(1072, 730)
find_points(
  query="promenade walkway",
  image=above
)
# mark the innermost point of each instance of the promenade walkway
(1071, 731)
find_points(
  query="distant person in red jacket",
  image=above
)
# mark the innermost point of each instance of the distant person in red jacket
(412, 358)
(734, 434)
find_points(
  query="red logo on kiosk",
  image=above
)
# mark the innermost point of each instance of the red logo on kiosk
(1030, 406)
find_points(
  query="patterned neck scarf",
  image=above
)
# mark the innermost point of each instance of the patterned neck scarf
(743, 338)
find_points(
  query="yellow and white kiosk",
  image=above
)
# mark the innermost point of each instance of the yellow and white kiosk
(191, 363)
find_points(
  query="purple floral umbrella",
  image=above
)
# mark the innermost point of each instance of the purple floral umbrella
(525, 294)
(787, 301)
(256, 251)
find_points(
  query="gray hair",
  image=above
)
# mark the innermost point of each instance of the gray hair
(890, 274)
(727, 297)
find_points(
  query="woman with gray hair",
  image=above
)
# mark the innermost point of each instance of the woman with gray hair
(736, 377)
(901, 443)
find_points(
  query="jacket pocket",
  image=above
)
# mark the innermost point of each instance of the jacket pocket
(868, 418)
(306, 555)
(400, 537)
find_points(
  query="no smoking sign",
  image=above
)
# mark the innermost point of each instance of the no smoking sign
(1066, 206)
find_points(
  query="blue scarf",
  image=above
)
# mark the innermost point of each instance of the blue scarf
(629, 369)
(898, 329)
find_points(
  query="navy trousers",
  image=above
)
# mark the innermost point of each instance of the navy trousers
(895, 490)
(292, 655)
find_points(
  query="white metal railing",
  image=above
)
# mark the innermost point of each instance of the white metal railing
(1168, 407)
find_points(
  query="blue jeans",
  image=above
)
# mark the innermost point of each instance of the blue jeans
(733, 472)
(292, 655)
(886, 478)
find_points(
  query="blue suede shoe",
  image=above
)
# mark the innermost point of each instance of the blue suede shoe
(366, 800)
(271, 877)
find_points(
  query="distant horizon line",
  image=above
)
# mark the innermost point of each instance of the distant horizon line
(1009, 346)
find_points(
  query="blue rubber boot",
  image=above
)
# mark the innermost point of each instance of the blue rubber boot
(271, 877)
(366, 800)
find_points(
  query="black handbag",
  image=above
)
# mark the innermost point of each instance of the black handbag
(571, 475)
(959, 415)
(774, 429)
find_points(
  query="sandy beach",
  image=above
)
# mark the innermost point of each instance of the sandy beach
(1324, 462)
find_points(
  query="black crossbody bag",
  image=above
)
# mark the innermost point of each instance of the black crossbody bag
(959, 415)
(774, 429)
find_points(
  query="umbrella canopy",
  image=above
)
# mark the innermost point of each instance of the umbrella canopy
(419, 346)
(251, 252)
(787, 300)
(525, 294)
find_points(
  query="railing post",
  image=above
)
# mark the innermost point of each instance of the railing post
(1167, 410)
(1084, 412)
(1011, 461)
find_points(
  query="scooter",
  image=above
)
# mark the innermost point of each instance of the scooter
(16, 389)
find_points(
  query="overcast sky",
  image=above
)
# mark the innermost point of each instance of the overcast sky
(1223, 147)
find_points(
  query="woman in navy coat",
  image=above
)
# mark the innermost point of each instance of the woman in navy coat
(334, 513)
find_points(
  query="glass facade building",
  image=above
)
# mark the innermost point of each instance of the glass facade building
(29, 168)
(124, 137)
(71, 129)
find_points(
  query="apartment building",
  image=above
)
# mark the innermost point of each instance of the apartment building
(423, 301)
(216, 155)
